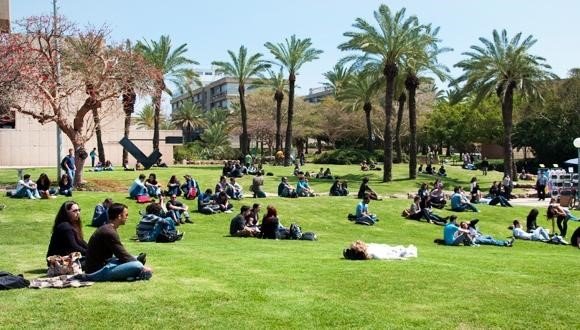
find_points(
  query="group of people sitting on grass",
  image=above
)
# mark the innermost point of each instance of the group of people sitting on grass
(104, 258)
(149, 186)
(247, 224)
(429, 169)
(42, 188)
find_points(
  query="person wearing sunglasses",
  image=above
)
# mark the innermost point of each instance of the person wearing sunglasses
(67, 231)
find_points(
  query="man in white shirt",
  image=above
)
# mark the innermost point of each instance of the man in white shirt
(27, 188)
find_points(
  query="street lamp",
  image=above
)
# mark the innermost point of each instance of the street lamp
(577, 145)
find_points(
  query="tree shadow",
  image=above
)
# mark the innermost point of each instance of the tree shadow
(39, 271)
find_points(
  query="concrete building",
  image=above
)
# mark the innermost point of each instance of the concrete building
(4, 16)
(216, 94)
(315, 95)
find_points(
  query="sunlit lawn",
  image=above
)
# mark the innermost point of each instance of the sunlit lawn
(209, 280)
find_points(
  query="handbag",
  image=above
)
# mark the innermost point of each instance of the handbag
(64, 265)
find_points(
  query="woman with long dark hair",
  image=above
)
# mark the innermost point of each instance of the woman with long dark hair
(43, 186)
(67, 231)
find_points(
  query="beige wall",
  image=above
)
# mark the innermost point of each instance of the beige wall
(32, 144)
(4, 16)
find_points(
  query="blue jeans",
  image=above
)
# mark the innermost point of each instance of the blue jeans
(464, 207)
(71, 175)
(366, 219)
(27, 192)
(138, 191)
(500, 200)
(116, 271)
(488, 240)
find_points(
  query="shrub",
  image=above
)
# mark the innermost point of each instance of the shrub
(347, 156)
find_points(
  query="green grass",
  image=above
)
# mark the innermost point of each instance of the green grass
(209, 280)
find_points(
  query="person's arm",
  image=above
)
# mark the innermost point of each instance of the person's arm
(114, 243)
(71, 240)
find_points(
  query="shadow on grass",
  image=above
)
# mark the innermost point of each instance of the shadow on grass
(39, 271)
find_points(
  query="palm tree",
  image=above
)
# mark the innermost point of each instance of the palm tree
(337, 77)
(292, 55)
(242, 67)
(421, 60)
(390, 43)
(171, 66)
(501, 67)
(358, 91)
(189, 117)
(146, 117)
(277, 83)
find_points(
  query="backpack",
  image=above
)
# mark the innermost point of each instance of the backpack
(145, 227)
(63, 163)
(143, 199)
(309, 236)
(9, 281)
(295, 231)
(168, 236)
(192, 193)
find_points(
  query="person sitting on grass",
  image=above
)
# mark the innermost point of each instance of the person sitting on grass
(26, 188)
(101, 213)
(253, 216)
(67, 232)
(338, 188)
(65, 185)
(153, 187)
(238, 227)
(303, 187)
(235, 190)
(480, 239)
(206, 203)
(153, 222)
(360, 250)
(416, 212)
(107, 259)
(257, 187)
(223, 202)
(362, 214)
(424, 195)
(454, 235)
(459, 202)
(190, 187)
(176, 209)
(442, 171)
(43, 186)
(437, 198)
(173, 186)
(285, 189)
(538, 234)
(575, 239)
(474, 190)
(366, 190)
(138, 187)
(496, 196)
(271, 228)
(222, 185)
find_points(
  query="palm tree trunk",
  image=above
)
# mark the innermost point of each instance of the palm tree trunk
(507, 111)
(288, 146)
(367, 107)
(411, 84)
(279, 96)
(244, 143)
(129, 98)
(390, 72)
(398, 149)
(98, 133)
(157, 109)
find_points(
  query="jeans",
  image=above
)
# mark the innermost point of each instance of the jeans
(540, 234)
(463, 238)
(154, 191)
(27, 192)
(176, 214)
(366, 219)
(71, 174)
(500, 200)
(488, 240)
(541, 192)
(138, 191)
(173, 191)
(562, 225)
(464, 207)
(116, 271)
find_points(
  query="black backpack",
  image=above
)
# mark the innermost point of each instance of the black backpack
(295, 231)
(63, 163)
(309, 236)
(9, 281)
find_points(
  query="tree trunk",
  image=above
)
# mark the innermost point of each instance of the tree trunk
(244, 143)
(390, 72)
(398, 148)
(319, 145)
(507, 111)
(411, 84)
(128, 98)
(367, 107)
(98, 133)
(157, 109)
(288, 147)
(279, 97)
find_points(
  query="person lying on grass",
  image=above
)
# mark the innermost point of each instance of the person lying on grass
(480, 239)
(360, 250)
(539, 234)
(107, 259)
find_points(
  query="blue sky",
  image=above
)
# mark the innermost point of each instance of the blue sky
(210, 28)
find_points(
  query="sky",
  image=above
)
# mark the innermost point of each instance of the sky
(210, 28)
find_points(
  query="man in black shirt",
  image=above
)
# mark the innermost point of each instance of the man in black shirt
(238, 226)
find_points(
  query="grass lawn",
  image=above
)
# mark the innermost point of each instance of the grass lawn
(209, 280)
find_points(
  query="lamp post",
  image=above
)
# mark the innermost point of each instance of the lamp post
(577, 145)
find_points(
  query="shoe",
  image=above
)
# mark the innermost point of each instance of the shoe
(142, 258)
(188, 221)
(510, 242)
(228, 211)
(181, 222)
(145, 275)
(180, 236)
